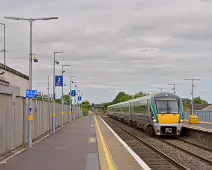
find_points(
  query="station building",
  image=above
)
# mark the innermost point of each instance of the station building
(13, 81)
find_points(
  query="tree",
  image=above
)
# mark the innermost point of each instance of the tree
(198, 100)
(66, 99)
(137, 95)
(58, 101)
(121, 97)
(86, 106)
(39, 98)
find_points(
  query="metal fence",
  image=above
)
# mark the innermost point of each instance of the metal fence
(204, 116)
(14, 122)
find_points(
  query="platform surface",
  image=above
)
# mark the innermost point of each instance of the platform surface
(202, 126)
(121, 158)
(73, 147)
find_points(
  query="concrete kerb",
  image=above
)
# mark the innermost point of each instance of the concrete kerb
(105, 157)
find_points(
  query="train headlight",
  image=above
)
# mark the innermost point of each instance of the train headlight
(181, 120)
(154, 120)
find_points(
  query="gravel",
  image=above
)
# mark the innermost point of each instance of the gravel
(151, 158)
(181, 157)
(193, 149)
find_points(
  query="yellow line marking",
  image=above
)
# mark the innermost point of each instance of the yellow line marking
(198, 128)
(107, 155)
(201, 122)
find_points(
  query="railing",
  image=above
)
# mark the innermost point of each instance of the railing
(204, 116)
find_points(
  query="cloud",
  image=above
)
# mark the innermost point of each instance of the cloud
(113, 45)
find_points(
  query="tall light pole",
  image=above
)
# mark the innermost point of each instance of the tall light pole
(30, 118)
(174, 88)
(78, 102)
(4, 50)
(75, 101)
(81, 102)
(49, 101)
(71, 112)
(192, 93)
(64, 65)
(54, 95)
(48, 88)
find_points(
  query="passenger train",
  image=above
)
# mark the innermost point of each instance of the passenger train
(158, 114)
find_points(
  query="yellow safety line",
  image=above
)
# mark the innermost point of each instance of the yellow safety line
(107, 155)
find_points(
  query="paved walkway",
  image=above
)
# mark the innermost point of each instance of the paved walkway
(73, 147)
(203, 126)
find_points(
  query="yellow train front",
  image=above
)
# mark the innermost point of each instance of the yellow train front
(167, 115)
(158, 114)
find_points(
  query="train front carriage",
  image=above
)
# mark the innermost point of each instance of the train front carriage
(168, 110)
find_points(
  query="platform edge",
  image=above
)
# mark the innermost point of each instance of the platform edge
(134, 155)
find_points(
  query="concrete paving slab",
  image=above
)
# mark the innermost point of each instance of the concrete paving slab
(122, 159)
(67, 149)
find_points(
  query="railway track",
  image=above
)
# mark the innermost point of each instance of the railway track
(163, 161)
(178, 144)
(195, 144)
(179, 153)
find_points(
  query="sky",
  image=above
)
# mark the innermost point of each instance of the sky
(114, 45)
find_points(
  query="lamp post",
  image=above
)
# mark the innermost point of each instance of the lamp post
(4, 50)
(192, 94)
(30, 118)
(81, 103)
(78, 102)
(49, 101)
(48, 89)
(174, 88)
(54, 96)
(63, 95)
(75, 101)
(71, 112)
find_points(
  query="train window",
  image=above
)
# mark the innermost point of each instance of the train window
(137, 109)
(125, 109)
(167, 106)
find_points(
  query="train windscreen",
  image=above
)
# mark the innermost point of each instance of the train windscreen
(166, 106)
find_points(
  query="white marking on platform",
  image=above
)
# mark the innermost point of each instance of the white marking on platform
(92, 140)
(135, 156)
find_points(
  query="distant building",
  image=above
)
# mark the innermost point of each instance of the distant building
(197, 106)
(208, 108)
(12, 80)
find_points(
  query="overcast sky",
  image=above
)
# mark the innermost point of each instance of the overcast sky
(114, 45)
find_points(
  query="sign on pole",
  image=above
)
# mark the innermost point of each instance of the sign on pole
(73, 92)
(31, 94)
(58, 80)
(79, 98)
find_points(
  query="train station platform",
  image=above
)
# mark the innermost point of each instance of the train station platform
(202, 126)
(85, 144)
(72, 147)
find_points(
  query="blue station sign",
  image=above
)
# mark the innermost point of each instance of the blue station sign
(58, 80)
(31, 93)
(73, 92)
(79, 98)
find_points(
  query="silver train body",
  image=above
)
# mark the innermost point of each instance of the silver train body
(157, 114)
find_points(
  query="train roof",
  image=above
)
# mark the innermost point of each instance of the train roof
(145, 98)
